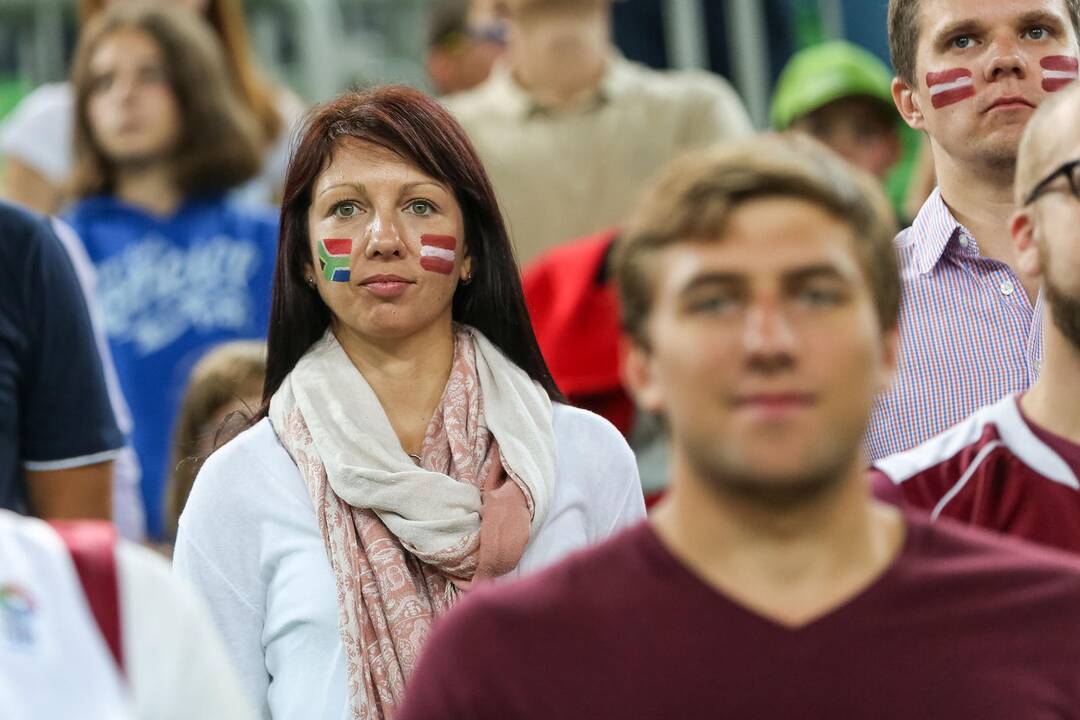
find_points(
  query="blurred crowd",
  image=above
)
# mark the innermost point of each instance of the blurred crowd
(770, 422)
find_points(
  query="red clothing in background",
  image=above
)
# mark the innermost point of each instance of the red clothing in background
(996, 470)
(962, 625)
(575, 315)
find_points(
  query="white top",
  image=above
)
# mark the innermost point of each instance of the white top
(54, 662)
(40, 133)
(249, 542)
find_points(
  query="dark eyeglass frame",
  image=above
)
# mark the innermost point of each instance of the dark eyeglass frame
(1069, 170)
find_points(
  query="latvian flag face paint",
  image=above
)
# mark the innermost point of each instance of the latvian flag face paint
(437, 253)
(950, 86)
(1058, 71)
(334, 258)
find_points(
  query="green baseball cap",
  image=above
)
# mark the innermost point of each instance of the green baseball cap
(822, 73)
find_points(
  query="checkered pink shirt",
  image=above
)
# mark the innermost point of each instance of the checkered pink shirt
(968, 334)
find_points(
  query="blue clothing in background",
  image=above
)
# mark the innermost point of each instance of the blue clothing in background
(170, 288)
(54, 409)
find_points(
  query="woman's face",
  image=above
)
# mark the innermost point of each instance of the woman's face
(132, 111)
(387, 243)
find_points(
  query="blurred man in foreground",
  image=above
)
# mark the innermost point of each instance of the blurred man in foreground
(760, 289)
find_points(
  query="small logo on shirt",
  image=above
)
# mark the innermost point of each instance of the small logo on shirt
(16, 617)
(153, 292)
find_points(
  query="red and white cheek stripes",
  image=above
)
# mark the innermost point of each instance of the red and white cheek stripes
(438, 253)
(950, 86)
(1058, 71)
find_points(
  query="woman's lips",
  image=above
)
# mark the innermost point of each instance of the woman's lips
(386, 286)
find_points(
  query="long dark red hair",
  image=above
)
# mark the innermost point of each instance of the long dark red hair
(418, 129)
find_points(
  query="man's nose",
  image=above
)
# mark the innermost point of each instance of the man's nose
(769, 339)
(1007, 60)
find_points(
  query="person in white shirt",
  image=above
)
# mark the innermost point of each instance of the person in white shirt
(55, 661)
(411, 443)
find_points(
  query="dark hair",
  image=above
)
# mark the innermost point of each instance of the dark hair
(220, 143)
(419, 130)
(449, 20)
(693, 198)
(904, 34)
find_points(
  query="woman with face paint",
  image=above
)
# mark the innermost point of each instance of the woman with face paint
(412, 442)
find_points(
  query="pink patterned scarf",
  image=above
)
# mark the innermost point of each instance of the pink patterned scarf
(403, 539)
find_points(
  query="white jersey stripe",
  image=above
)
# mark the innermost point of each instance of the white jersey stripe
(968, 473)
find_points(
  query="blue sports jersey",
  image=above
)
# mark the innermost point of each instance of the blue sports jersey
(170, 288)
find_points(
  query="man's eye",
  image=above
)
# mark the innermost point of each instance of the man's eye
(346, 209)
(715, 304)
(963, 42)
(1037, 33)
(421, 207)
(816, 297)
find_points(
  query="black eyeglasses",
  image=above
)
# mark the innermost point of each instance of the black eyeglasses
(1071, 172)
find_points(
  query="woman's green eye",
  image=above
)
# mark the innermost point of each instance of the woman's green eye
(421, 207)
(345, 210)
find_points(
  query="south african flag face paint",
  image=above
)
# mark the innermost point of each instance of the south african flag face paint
(334, 258)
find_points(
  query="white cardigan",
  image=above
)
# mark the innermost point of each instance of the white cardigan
(249, 543)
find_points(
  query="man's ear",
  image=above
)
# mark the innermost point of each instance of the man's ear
(908, 104)
(1025, 244)
(639, 377)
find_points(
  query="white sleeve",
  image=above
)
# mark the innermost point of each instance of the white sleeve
(38, 131)
(173, 656)
(217, 552)
(595, 453)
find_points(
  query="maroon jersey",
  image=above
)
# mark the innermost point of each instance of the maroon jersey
(996, 470)
(963, 624)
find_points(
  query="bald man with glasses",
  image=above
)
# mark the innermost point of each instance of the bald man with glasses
(1014, 466)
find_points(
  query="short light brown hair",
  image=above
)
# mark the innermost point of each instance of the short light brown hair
(904, 34)
(693, 198)
(220, 145)
(225, 374)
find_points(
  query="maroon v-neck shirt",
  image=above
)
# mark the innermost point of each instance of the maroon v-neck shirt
(963, 625)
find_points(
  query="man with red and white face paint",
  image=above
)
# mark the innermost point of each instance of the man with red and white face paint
(970, 73)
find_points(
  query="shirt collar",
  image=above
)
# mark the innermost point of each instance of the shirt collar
(517, 101)
(935, 230)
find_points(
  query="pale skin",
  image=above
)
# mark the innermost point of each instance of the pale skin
(135, 119)
(559, 49)
(1048, 229)
(398, 334)
(974, 142)
(764, 354)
